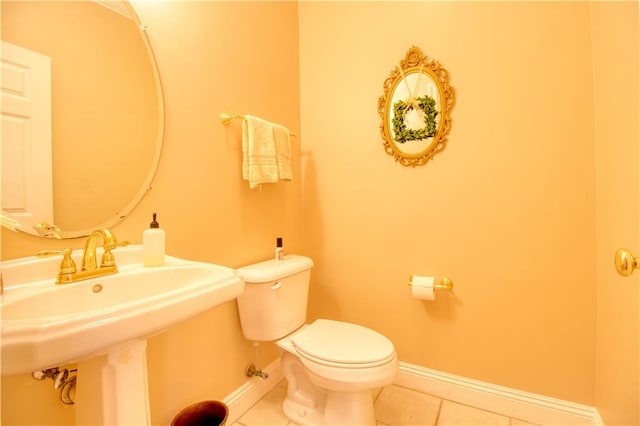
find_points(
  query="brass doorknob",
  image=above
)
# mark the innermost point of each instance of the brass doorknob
(625, 262)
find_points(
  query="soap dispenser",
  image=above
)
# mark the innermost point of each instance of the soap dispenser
(153, 244)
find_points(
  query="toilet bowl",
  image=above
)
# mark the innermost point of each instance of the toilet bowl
(332, 367)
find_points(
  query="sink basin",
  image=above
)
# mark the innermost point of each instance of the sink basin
(46, 325)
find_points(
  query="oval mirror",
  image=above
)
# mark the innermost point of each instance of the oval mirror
(82, 115)
(415, 108)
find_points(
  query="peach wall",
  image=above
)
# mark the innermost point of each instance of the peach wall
(208, 64)
(506, 210)
(615, 58)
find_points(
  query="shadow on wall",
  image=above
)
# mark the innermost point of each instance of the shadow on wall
(445, 307)
(313, 226)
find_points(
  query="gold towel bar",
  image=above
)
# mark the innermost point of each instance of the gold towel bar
(226, 119)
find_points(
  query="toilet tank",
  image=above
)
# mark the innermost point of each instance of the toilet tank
(274, 301)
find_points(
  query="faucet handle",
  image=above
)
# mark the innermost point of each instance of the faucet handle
(67, 266)
(110, 242)
(47, 253)
(107, 258)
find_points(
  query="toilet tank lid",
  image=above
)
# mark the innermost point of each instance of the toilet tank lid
(272, 269)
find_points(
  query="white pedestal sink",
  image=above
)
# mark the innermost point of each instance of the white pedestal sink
(102, 324)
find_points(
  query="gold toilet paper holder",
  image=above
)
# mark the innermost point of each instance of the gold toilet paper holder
(444, 284)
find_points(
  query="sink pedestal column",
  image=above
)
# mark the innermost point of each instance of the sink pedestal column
(112, 389)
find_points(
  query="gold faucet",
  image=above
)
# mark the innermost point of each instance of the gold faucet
(109, 242)
(68, 272)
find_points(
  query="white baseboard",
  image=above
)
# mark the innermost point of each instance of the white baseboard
(509, 402)
(243, 398)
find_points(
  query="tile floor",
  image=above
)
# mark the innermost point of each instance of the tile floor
(394, 406)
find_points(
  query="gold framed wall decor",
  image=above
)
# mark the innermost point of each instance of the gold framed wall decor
(415, 109)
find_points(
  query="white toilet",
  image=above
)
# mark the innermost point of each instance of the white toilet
(331, 366)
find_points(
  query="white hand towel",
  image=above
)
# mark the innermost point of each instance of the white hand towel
(259, 162)
(282, 138)
(266, 149)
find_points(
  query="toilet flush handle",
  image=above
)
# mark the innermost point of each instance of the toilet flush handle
(276, 286)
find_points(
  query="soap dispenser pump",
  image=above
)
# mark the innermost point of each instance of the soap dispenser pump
(153, 244)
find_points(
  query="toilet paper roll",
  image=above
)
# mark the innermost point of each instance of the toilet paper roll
(422, 287)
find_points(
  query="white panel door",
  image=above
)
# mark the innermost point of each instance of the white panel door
(27, 186)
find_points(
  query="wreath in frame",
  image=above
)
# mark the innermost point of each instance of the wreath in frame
(427, 105)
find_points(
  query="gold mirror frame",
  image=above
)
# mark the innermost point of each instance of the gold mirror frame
(407, 88)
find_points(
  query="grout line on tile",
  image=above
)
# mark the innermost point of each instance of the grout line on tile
(439, 411)
(476, 408)
(419, 391)
(523, 422)
(377, 395)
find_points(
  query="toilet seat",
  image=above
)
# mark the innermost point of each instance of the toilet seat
(343, 345)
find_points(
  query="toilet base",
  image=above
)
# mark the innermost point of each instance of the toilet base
(349, 408)
(341, 409)
(301, 414)
(308, 405)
